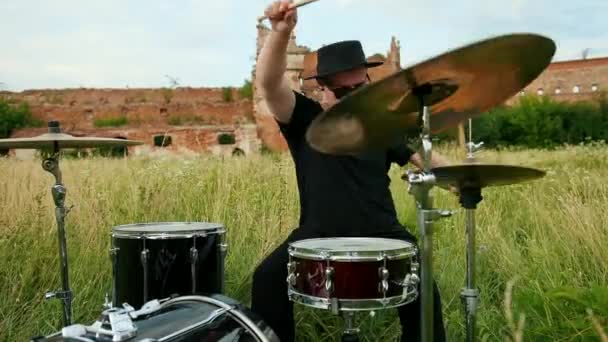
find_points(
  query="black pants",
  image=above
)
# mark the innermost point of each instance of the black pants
(271, 302)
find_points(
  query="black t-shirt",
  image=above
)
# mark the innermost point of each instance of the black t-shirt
(341, 195)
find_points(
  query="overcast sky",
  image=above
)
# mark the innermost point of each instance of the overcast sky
(134, 43)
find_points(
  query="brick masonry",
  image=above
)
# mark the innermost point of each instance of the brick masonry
(196, 117)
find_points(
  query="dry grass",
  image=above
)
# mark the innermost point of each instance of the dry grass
(551, 234)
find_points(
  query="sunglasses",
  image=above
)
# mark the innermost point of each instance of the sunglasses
(340, 92)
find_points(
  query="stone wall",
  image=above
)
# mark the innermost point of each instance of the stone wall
(576, 80)
(185, 141)
(193, 117)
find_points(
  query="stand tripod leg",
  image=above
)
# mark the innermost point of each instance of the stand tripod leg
(470, 294)
(58, 191)
(469, 198)
(350, 334)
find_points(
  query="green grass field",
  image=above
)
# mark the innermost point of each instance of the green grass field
(548, 238)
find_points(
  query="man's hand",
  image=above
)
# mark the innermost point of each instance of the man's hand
(282, 19)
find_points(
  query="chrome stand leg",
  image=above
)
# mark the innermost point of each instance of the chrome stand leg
(58, 191)
(469, 198)
(420, 184)
(350, 334)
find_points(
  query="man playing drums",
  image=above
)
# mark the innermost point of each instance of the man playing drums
(346, 196)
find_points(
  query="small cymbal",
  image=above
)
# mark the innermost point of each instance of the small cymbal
(55, 139)
(460, 84)
(48, 140)
(476, 175)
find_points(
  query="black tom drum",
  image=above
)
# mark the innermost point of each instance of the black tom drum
(158, 260)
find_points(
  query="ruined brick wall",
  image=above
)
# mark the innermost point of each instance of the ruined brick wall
(193, 117)
(577, 80)
(184, 140)
(82, 108)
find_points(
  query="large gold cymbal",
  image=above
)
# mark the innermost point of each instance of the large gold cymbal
(477, 175)
(464, 83)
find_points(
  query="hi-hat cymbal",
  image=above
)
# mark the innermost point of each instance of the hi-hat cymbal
(463, 83)
(56, 139)
(477, 175)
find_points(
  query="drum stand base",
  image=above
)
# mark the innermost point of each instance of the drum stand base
(350, 333)
(469, 198)
(420, 184)
(58, 191)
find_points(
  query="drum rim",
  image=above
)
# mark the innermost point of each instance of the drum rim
(408, 250)
(124, 230)
(230, 310)
(366, 304)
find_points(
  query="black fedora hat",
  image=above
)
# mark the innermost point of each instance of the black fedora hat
(340, 56)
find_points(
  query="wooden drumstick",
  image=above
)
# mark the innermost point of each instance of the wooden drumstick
(292, 6)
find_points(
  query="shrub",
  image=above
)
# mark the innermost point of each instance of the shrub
(111, 122)
(227, 94)
(540, 122)
(246, 91)
(15, 116)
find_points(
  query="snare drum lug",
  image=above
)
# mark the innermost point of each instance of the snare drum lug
(291, 276)
(144, 262)
(329, 281)
(383, 286)
(193, 262)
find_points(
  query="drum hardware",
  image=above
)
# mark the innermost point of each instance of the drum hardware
(185, 318)
(223, 247)
(114, 262)
(193, 263)
(58, 192)
(159, 259)
(145, 254)
(420, 184)
(350, 333)
(54, 141)
(267, 336)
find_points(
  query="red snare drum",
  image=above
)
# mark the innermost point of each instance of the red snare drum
(352, 274)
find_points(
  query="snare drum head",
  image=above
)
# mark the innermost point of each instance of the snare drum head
(168, 229)
(352, 247)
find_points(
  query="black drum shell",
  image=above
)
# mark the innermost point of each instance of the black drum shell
(169, 265)
(184, 321)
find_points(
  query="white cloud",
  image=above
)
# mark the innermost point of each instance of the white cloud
(112, 43)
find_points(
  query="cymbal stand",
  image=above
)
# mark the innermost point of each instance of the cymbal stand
(470, 196)
(420, 184)
(58, 191)
(350, 333)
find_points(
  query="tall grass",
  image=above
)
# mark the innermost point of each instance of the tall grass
(548, 238)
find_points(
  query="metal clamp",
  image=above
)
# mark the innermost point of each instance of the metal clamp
(329, 281)
(334, 304)
(470, 298)
(383, 285)
(63, 295)
(145, 254)
(291, 273)
(193, 262)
